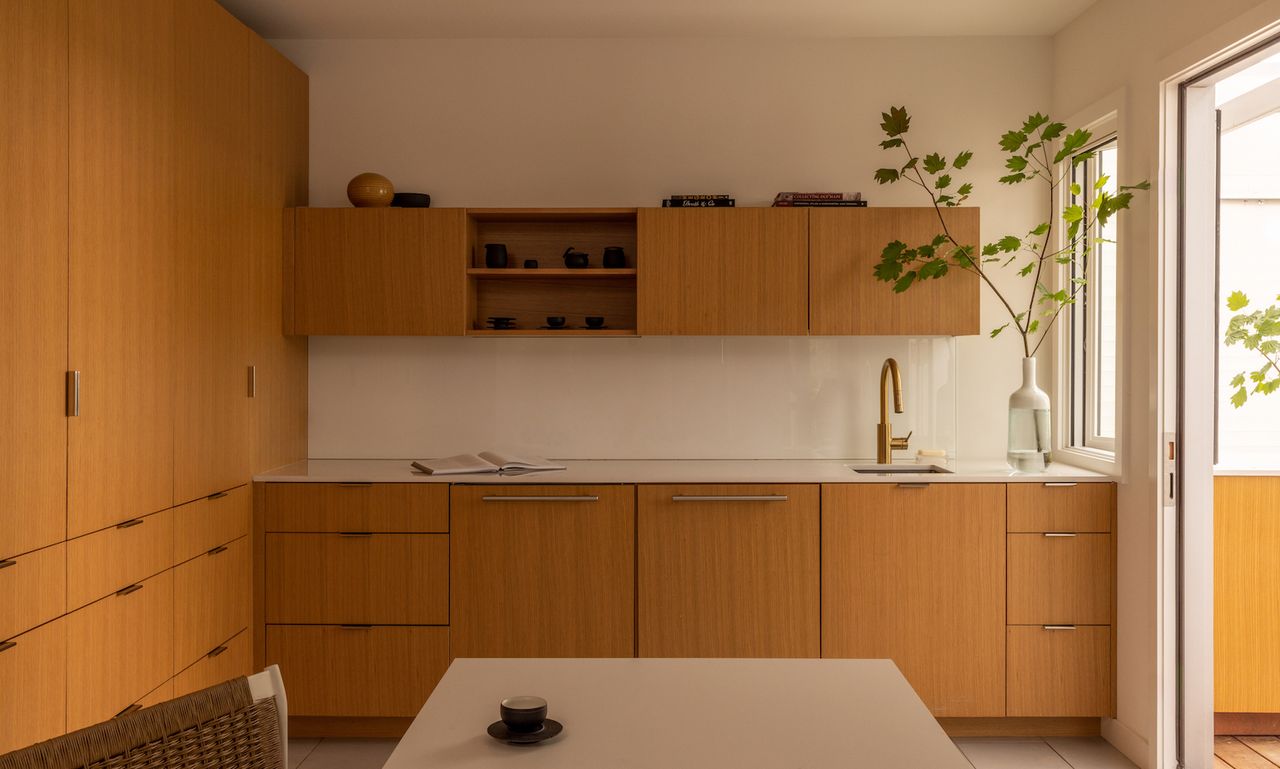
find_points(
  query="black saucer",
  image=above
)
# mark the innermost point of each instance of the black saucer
(550, 728)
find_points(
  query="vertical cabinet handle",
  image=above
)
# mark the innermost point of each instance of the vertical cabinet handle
(253, 381)
(73, 393)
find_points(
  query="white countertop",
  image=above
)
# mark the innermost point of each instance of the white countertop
(589, 471)
(682, 714)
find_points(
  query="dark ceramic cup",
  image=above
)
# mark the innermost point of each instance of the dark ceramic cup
(555, 321)
(495, 255)
(524, 713)
(595, 321)
(614, 257)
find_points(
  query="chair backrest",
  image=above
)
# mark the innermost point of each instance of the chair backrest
(266, 684)
(226, 726)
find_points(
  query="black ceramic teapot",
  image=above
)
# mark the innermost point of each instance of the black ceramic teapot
(575, 259)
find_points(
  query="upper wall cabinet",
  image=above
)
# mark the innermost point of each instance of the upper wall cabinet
(378, 271)
(730, 271)
(845, 298)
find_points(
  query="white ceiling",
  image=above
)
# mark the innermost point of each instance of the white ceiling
(652, 18)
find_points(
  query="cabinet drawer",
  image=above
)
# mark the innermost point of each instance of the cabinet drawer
(226, 661)
(1059, 579)
(211, 601)
(118, 650)
(369, 671)
(34, 589)
(1062, 673)
(200, 526)
(33, 678)
(1061, 507)
(378, 507)
(377, 579)
(162, 693)
(728, 571)
(101, 563)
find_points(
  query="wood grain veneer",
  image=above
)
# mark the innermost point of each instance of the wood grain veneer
(846, 298)
(34, 589)
(211, 602)
(728, 578)
(723, 271)
(101, 563)
(1077, 507)
(36, 667)
(375, 507)
(162, 693)
(545, 578)
(1059, 672)
(916, 574)
(200, 526)
(1059, 580)
(387, 579)
(227, 660)
(33, 263)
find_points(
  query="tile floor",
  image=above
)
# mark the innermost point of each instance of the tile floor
(983, 753)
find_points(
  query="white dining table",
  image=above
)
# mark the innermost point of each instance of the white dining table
(683, 713)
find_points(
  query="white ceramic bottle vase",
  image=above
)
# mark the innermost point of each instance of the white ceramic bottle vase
(1029, 431)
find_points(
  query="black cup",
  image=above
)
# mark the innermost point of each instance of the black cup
(523, 714)
(555, 321)
(595, 321)
(531, 264)
(614, 257)
(575, 260)
(495, 255)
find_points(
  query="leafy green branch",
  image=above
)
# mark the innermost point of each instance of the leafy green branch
(1260, 331)
(1035, 152)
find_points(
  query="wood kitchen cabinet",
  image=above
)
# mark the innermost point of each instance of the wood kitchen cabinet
(398, 271)
(1060, 671)
(33, 676)
(845, 297)
(542, 571)
(916, 573)
(727, 271)
(33, 266)
(728, 571)
(210, 601)
(34, 587)
(1059, 578)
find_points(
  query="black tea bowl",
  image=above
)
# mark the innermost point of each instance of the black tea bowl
(555, 321)
(595, 321)
(524, 713)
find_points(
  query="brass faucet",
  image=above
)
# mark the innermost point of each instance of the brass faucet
(886, 444)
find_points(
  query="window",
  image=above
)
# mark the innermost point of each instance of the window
(1091, 327)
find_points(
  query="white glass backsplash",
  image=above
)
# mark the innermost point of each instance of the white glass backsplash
(643, 398)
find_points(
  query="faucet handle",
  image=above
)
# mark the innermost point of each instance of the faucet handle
(900, 444)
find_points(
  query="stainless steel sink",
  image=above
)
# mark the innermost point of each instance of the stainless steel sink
(900, 469)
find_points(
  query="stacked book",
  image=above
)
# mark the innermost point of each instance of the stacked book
(820, 199)
(699, 201)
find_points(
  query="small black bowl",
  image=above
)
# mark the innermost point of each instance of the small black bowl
(555, 321)
(595, 321)
(531, 264)
(525, 713)
(411, 200)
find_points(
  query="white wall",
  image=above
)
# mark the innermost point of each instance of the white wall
(625, 122)
(1132, 47)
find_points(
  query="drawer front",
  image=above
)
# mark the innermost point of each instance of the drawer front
(226, 661)
(101, 563)
(372, 671)
(1059, 579)
(728, 571)
(384, 507)
(162, 693)
(1059, 673)
(212, 601)
(33, 678)
(118, 650)
(1061, 506)
(375, 579)
(200, 526)
(33, 589)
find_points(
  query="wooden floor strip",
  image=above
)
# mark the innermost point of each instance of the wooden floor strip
(1267, 747)
(1238, 755)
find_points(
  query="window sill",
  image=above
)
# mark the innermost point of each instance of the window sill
(1090, 459)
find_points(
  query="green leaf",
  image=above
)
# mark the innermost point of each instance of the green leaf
(1031, 328)
(1237, 380)
(1013, 178)
(895, 122)
(1071, 143)
(1237, 301)
(890, 143)
(904, 282)
(965, 189)
(962, 159)
(1016, 163)
(1033, 122)
(1073, 214)
(1075, 190)
(887, 175)
(1239, 397)
(1012, 140)
(1100, 183)
(933, 163)
(1052, 131)
(1025, 271)
(1040, 229)
(938, 240)
(934, 269)
(989, 249)
(910, 164)
(1009, 244)
(943, 182)
(996, 332)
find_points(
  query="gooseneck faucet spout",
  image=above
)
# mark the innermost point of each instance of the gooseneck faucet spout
(886, 444)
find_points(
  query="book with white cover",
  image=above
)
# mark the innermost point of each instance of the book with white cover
(485, 462)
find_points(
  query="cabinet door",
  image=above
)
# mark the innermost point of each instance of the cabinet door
(916, 573)
(34, 587)
(33, 275)
(372, 507)
(200, 526)
(211, 356)
(211, 601)
(727, 571)
(33, 676)
(846, 298)
(542, 571)
(120, 448)
(277, 180)
(723, 271)
(101, 563)
(1053, 506)
(1060, 671)
(398, 271)
(1059, 578)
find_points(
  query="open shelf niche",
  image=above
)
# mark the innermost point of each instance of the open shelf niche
(531, 295)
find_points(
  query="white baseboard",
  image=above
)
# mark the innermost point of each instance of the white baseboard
(1133, 745)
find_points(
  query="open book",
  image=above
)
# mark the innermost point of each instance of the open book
(485, 462)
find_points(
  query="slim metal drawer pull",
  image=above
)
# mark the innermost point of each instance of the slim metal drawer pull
(134, 707)
(581, 498)
(253, 381)
(1060, 484)
(217, 495)
(1059, 534)
(913, 485)
(216, 651)
(355, 485)
(355, 534)
(128, 590)
(7, 645)
(73, 393)
(730, 498)
(1059, 627)
(218, 549)
(129, 524)
(356, 627)
(8, 563)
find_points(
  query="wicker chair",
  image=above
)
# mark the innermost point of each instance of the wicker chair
(235, 725)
